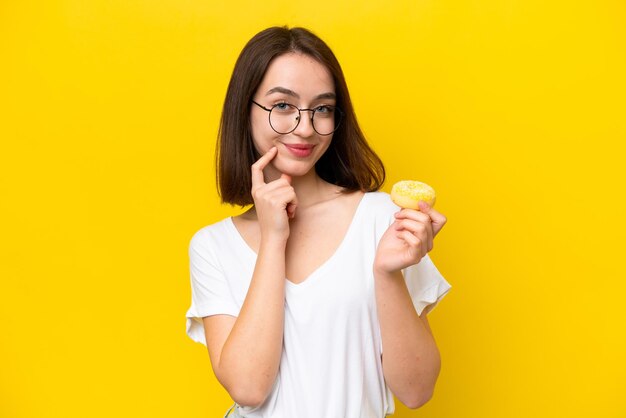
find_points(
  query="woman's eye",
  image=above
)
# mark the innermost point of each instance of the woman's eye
(324, 109)
(282, 106)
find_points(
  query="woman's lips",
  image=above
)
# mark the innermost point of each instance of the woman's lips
(300, 150)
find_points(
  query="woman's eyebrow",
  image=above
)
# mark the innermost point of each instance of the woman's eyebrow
(328, 95)
(283, 91)
(292, 93)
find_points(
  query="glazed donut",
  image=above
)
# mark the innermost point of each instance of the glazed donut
(407, 193)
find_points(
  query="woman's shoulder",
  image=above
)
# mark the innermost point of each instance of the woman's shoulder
(212, 233)
(377, 212)
(380, 202)
(379, 209)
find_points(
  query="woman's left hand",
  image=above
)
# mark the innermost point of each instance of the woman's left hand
(408, 239)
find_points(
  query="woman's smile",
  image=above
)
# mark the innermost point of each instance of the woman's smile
(300, 150)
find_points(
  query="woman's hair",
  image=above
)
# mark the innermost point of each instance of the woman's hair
(348, 162)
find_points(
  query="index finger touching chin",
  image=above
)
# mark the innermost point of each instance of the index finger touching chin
(260, 164)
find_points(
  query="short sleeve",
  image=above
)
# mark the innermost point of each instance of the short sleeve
(210, 293)
(426, 285)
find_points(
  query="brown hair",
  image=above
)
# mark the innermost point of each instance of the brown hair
(348, 162)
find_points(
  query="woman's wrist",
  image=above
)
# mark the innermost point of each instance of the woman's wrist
(273, 241)
(382, 274)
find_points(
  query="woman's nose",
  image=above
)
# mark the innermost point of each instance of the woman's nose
(305, 124)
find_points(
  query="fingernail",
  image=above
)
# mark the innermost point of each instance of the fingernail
(423, 205)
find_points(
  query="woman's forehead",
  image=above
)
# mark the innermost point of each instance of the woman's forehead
(298, 73)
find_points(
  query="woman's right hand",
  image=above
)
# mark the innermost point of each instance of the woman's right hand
(275, 202)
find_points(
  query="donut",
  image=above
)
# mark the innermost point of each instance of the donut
(407, 193)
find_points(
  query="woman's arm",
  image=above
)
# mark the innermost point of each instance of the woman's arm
(411, 361)
(245, 351)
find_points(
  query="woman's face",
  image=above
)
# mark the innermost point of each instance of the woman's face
(299, 80)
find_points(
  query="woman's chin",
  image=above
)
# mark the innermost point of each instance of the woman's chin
(294, 169)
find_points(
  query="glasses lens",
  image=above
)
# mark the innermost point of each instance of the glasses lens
(326, 119)
(284, 118)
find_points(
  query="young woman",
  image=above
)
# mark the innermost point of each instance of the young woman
(312, 303)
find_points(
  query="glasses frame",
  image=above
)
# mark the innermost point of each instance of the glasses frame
(338, 112)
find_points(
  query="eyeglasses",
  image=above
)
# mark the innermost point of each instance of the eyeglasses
(284, 118)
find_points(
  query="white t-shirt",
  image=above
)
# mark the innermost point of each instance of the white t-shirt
(331, 362)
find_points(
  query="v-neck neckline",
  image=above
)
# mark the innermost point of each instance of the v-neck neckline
(324, 264)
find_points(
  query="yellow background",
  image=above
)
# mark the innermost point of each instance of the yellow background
(514, 111)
